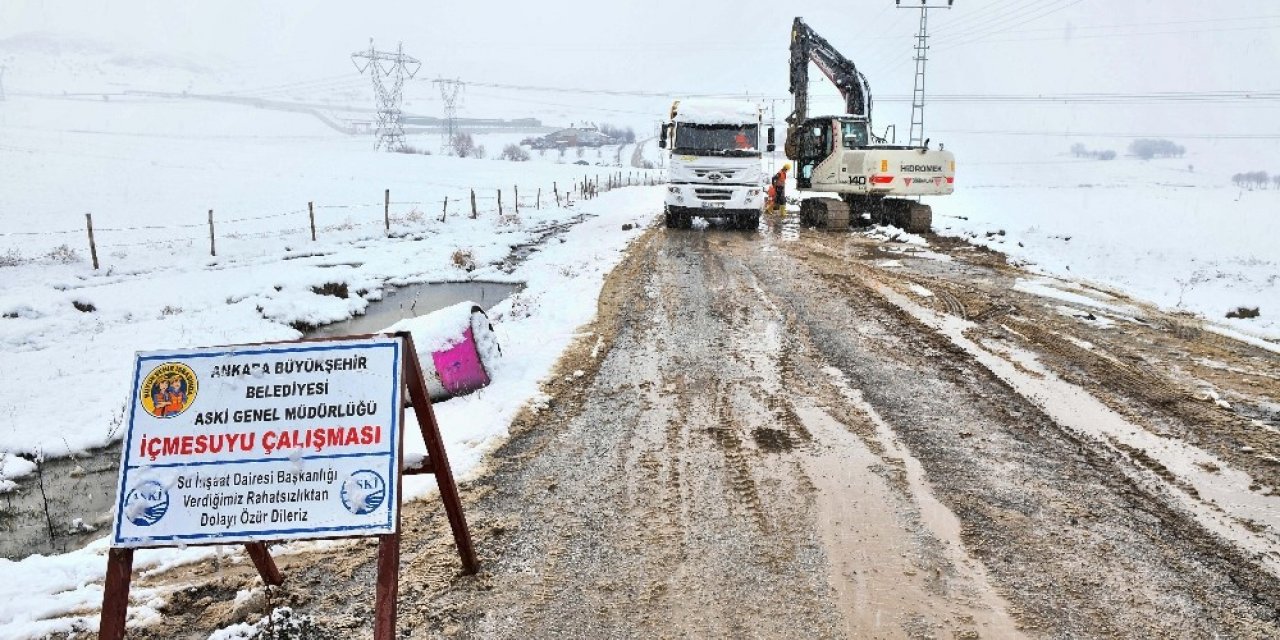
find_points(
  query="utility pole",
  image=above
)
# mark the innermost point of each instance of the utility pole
(450, 93)
(389, 94)
(922, 51)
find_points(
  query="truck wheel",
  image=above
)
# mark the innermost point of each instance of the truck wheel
(750, 221)
(671, 218)
(685, 220)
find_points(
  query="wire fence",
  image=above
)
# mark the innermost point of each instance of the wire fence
(503, 204)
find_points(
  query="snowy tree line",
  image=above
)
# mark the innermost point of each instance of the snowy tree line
(1255, 180)
(1148, 148)
(621, 134)
(464, 146)
(1080, 151)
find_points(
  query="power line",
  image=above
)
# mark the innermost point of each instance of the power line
(922, 50)
(450, 91)
(1135, 34)
(1005, 25)
(395, 67)
(1021, 11)
(1087, 134)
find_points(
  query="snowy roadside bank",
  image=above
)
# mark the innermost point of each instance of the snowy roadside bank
(48, 594)
(68, 327)
(1163, 231)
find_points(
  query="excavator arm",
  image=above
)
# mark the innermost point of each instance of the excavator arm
(807, 46)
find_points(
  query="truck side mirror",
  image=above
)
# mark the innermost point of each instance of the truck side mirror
(662, 137)
(770, 147)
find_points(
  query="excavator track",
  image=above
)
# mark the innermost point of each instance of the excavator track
(908, 215)
(824, 213)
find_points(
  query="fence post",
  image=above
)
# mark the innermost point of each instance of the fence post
(386, 209)
(93, 247)
(499, 202)
(555, 188)
(444, 213)
(212, 250)
(537, 202)
(473, 204)
(516, 199)
(311, 213)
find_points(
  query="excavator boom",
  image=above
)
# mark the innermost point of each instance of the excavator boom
(807, 46)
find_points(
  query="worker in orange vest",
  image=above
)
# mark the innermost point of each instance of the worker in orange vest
(778, 190)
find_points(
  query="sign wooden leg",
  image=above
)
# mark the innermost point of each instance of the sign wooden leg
(115, 597)
(265, 563)
(452, 502)
(388, 587)
(439, 459)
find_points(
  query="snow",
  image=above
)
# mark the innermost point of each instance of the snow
(919, 290)
(1046, 288)
(149, 170)
(438, 330)
(1173, 232)
(887, 233)
(709, 111)
(134, 168)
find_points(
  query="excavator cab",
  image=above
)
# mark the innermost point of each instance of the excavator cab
(813, 143)
(854, 133)
(816, 139)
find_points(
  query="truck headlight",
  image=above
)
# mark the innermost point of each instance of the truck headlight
(751, 193)
(673, 189)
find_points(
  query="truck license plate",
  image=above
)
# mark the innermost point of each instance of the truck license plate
(713, 205)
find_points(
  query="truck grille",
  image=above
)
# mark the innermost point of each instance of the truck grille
(713, 194)
(715, 174)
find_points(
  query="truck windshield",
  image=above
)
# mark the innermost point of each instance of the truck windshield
(716, 140)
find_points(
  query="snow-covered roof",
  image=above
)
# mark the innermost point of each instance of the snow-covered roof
(704, 111)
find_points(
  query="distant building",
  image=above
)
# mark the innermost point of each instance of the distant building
(583, 136)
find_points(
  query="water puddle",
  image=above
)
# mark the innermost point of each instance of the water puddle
(414, 300)
(887, 568)
(72, 496)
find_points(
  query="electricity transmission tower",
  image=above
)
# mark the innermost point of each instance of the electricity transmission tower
(450, 93)
(389, 71)
(922, 51)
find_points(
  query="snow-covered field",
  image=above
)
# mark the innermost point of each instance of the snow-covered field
(1175, 232)
(159, 287)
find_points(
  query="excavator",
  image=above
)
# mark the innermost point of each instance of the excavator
(840, 154)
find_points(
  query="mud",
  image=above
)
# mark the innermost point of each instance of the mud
(778, 435)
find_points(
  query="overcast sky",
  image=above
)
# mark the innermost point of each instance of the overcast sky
(714, 46)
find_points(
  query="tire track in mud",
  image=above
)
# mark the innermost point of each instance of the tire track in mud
(1158, 560)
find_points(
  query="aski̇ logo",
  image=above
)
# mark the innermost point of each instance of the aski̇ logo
(363, 492)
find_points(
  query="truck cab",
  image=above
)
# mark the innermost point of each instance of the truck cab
(714, 169)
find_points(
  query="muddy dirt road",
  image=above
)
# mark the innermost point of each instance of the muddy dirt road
(795, 434)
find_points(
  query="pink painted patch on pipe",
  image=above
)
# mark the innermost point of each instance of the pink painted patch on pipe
(459, 366)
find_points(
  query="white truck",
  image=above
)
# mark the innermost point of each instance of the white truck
(714, 170)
